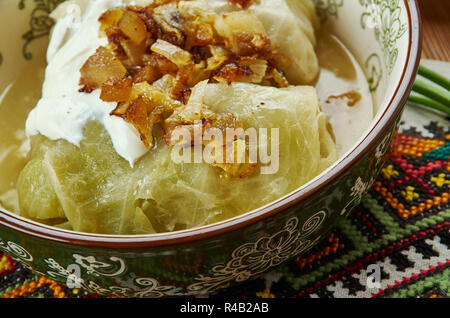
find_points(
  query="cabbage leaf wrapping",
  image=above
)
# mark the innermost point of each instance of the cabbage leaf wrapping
(291, 25)
(91, 188)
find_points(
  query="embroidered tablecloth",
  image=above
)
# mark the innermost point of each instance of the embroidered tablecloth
(394, 244)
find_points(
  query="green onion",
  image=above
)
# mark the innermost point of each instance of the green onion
(434, 77)
(429, 95)
(432, 92)
(425, 101)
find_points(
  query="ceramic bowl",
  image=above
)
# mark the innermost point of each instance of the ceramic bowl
(384, 35)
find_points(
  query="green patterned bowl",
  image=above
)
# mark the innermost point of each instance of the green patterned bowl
(385, 35)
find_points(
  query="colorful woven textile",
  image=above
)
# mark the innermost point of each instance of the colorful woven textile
(400, 231)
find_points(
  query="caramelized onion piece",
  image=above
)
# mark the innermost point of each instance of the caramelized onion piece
(135, 53)
(114, 35)
(138, 114)
(279, 78)
(148, 73)
(173, 53)
(133, 27)
(204, 34)
(121, 110)
(258, 68)
(233, 72)
(154, 95)
(110, 17)
(247, 44)
(169, 20)
(219, 56)
(99, 68)
(180, 86)
(147, 107)
(165, 83)
(198, 74)
(117, 90)
(164, 65)
(194, 110)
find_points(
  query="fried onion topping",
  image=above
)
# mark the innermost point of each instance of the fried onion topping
(158, 56)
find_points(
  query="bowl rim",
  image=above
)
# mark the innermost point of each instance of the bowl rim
(128, 242)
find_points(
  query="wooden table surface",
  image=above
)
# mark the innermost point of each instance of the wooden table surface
(436, 29)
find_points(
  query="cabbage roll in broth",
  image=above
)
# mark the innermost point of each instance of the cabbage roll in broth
(161, 83)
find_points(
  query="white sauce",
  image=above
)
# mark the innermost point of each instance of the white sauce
(62, 112)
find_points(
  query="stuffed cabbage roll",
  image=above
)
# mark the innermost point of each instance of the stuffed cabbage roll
(97, 191)
(130, 76)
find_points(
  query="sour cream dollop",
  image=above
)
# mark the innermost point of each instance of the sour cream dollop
(63, 111)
